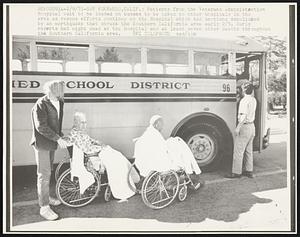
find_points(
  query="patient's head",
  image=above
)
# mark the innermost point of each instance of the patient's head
(79, 121)
(157, 122)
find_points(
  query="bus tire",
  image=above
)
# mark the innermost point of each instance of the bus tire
(207, 144)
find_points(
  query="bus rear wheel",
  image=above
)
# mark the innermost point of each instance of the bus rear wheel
(206, 142)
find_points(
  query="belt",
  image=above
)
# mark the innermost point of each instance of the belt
(248, 123)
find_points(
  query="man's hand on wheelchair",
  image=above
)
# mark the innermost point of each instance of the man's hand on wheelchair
(62, 143)
(68, 141)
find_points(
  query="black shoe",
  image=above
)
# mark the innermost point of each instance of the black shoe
(194, 178)
(249, 174)
(196, 186)
(199, 185)
(195, 181)
(233, 176)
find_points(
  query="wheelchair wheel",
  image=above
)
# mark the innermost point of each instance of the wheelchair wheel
(182, 193)
(137, 187)
(62, 166)
(68, 192)
(160, 189)
(107, 195)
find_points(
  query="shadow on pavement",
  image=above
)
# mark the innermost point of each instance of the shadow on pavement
(223, 201)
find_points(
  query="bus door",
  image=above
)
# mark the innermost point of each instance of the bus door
(252, 68)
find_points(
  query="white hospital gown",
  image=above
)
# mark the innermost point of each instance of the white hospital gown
(153, 153)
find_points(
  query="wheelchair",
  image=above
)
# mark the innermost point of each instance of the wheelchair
(160, 189)
(67, 187)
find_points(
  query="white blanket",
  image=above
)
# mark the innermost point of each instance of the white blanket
(181, 155)
(153, 152)
(78, 169)
(117, 167)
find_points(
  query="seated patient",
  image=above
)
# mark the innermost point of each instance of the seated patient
(116, 165)
(153, 152)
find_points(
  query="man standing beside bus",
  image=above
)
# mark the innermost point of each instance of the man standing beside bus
(47, 115)
(245, 132)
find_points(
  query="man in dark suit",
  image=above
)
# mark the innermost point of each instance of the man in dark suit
(47, 116)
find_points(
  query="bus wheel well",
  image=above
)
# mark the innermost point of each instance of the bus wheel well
(202, 118)
(209, 138)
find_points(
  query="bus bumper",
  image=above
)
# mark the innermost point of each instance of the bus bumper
(266, 139)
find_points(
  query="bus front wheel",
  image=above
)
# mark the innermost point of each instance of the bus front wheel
(206, 142)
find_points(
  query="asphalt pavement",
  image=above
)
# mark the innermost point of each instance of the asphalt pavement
(258, 204)
(243, 204)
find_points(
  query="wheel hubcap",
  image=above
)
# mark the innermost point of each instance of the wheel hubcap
(203, 147)
(182, 193)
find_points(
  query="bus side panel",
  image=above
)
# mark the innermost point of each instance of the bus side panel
(116, 124)
(119, 112)
(225, 110)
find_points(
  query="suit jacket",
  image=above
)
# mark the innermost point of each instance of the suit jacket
(47, 124)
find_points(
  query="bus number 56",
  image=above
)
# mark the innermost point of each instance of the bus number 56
(226, 88)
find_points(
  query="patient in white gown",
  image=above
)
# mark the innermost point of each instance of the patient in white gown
(116, 165)
(153, 153)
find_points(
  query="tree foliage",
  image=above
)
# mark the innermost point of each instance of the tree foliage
(45, 53)
(277, 83)
(23, 54)
(55, 54)
(276, 62)
(276, 69)
(110, 55)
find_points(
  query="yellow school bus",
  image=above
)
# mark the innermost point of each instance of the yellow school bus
(120, 82)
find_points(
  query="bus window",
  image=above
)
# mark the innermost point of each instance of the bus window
(167, 61)
(223, 69)
(137, 68)
(79, 66)
(116, 68)
(49, 66)
(212, 70)
(117, 59)
(177, 69)
(21, 53)
(254, 72)
(240, 67)
(49, 58)
(16, 65)
(152, 68)
(209, 63)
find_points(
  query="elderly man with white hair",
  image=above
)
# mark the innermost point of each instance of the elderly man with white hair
(153, 152)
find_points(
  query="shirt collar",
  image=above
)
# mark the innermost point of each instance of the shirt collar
(54, 101)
